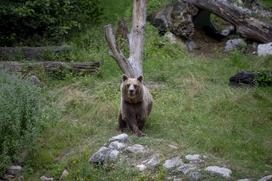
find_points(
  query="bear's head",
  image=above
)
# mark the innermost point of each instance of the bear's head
(132, 89)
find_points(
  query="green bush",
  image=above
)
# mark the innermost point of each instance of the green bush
(21, 20)
(20, 115)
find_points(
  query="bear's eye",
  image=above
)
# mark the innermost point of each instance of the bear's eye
(128, 85)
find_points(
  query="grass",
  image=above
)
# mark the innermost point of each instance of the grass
(194, 108)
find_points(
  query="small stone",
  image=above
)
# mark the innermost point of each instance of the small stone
(233, 44)
(21, 178)
(173, 146)
(153, 162)
(64, 174)
(100, 156)
(172, 163)
(191, 45)
(113, 155)
(137, 148)
(8, 177)
(117, 145)
(225, 172)
(194, 176)
(141, 167)
(44, 178)
(266, 178)
(186, 168)
(227, 31)
(265, 49)
(121, 138)
(14, 170)
(34, 80)
(196, 158)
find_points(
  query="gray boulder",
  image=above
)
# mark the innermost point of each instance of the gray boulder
(117, 145)
(44, 178)
(103, 155)
(153, 162)
(233, 44)
(123, 138)
(196, 158)
(265, 49)
(222, 171)
(172, 163)
(186, 168)
(137, 148)
(266, 178)
(14, 170)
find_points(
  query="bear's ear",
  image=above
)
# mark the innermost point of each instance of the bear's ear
(140, 78)
(125, 77)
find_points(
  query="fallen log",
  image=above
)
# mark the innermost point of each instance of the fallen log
(31, 53)
(246, 25)
(48, 66)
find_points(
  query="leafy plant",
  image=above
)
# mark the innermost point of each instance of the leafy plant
(21, 20)
(19, 117)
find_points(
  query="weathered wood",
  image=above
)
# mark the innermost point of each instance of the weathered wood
(246, 25)
(32, 53)
(81, 68)
(131, 66)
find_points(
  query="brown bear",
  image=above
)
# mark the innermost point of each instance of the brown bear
(136, 105)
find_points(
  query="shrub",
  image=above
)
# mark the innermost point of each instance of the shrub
(19, 117)
(24, 19)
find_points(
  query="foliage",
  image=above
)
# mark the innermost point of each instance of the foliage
(23, 19)
(19, 117)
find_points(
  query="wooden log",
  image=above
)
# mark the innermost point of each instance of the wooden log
(246, 25)
(31, 53)
(48, 66)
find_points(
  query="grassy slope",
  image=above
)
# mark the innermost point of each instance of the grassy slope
(194, 108)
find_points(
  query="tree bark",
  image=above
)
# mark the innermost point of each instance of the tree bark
(131, 66)
(81, 68)
(248, 26)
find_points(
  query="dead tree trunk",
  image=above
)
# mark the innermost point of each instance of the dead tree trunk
(131, 66)
(248, 26)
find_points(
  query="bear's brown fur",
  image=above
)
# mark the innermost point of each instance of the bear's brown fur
(136, 104)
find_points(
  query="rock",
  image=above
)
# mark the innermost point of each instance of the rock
(44, 178)
(173, 146)
(100, 156)
(153, 162)
(194, 176)
(8, 177)
(245, 179)
(117, 145)
(265, 49)
(104, 154)
(64, 174)
(196, 158)
(243, 78)
(113, 155)
(186, 168)
(123, 138)
(191, 45)
(227, 31)
(225, 172)
(14, 170)
(174, 39)
(137, 148)
(141, 167)
(172, 163)
(266, 178)
(34, 80)
(233, 44)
